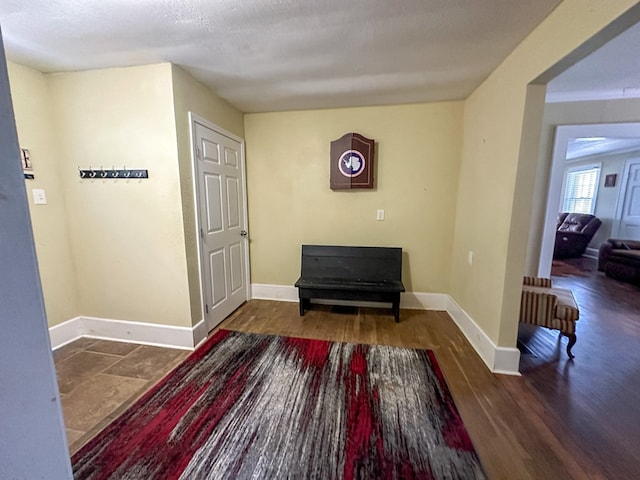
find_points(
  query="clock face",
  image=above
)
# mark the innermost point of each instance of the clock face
(351, 163)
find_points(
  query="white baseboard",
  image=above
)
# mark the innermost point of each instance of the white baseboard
(591, 253)
(410, 300)
(200, 332)
(502, 360)
(65, 332)
(138, 332)
(282, 293)
(498, 359)
(424, 301)
(125, 331)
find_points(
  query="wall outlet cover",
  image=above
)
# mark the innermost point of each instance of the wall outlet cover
(39, 196)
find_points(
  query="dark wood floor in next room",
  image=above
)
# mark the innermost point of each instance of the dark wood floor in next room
(597, 396)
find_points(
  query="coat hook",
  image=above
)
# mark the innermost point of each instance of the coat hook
(115, 172)
(92, 173)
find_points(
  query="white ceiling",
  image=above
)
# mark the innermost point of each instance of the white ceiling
(582, 147)
(612, 71)
(269, 55)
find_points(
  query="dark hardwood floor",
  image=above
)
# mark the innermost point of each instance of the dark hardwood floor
(514, 432)
(596, 396)
(560, 420)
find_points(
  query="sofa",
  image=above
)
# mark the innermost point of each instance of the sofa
(620, 259)
(574, 231)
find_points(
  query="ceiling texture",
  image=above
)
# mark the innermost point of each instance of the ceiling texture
(583, 147)
(273, 55)
(612, 71)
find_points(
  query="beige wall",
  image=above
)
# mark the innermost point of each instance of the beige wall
(290, 203)
(34, 121)
(453, 177)
(190, 95)
(607, 199)
(132, 240)
(126, 235)
(493, 216)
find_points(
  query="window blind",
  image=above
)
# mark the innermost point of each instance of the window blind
(580, 190)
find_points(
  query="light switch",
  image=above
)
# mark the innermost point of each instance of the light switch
(380, 215)
(39, 196)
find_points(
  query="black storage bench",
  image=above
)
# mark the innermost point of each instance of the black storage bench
(372, 274)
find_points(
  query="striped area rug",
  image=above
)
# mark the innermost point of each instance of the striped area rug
(267, 407)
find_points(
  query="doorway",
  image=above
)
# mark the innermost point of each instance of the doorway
(221, 204)
(630, 132)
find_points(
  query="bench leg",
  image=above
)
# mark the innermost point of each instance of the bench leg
(301, 307)
(396, 310)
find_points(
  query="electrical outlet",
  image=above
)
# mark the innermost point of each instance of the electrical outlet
(39, 196)
(380, 215)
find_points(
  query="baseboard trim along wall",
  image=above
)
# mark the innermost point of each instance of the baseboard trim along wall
(591, 253)
(282, 293)
(410, 300)
(200, 333)
(65, 332)
(498, 359)
(501, 360)
(125, 331)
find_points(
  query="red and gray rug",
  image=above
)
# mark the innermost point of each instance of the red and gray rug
(267, 407)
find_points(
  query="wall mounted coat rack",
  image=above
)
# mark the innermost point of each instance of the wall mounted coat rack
(113, 173)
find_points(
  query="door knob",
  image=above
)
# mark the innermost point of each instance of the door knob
(243, 233)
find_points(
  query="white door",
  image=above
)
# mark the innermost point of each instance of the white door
(222, 221)
(629, 228)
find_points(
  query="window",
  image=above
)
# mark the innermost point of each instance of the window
(580, 189)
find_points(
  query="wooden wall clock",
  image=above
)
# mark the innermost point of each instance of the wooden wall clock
(352, 162)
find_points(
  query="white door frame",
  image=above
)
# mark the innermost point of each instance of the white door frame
(193, 119)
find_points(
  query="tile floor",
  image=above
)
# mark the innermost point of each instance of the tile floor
(99, 379)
